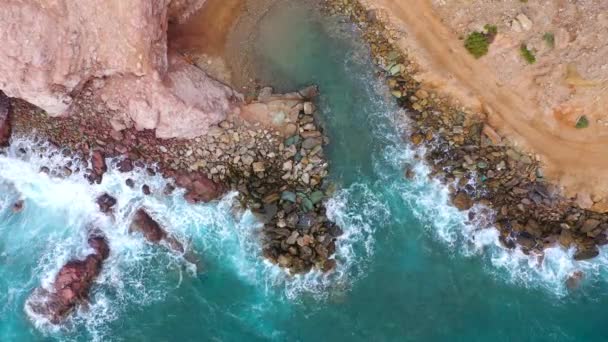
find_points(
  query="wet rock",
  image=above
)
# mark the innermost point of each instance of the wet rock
(72, 284)
(586, 252)
(200, 188)
(462, 201)
(99, 166)
(145, 189)
(125, 165)
(18, 206)
(574, 280)
(130, 183)
(106, 203)
(150, 229)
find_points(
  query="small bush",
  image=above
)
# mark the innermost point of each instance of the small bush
(527, 54)
(549, 38)
(582, 122)
(477, 44)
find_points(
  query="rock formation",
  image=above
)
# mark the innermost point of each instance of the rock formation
(5, 120)
(52, 49)
(72, 284)
(153, 232)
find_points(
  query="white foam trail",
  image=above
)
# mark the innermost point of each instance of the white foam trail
(429, 201)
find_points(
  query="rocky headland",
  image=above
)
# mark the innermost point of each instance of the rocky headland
(499, 184)
(141, 105)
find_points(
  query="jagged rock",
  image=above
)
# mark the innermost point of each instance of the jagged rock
(70, 44)
(71, 285)
(106, 203)
(151, 230)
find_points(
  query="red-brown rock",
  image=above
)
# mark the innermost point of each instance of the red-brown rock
(143, 223)
(5, 120)
(72, 284)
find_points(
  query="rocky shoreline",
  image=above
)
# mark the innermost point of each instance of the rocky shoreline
(482, 170)
(280, 172)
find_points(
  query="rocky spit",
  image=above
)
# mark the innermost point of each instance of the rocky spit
(280, 174)
(500, 185)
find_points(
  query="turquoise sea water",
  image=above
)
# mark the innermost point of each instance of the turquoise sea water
(411, 268)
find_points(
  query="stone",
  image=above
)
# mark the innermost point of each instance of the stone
(291, 240)
(125, 165)
(316, 197)
(258, 167)
(462, 201)
(150, 229)
(130, 183)
(574, 280)
(145, 189)
(416, 139)
(98, 163)
(309, 108)
(106, 203)
(586, 252)
(524, 21)
(288, 196)
(310, 143)
(589, 225)
(288, 165)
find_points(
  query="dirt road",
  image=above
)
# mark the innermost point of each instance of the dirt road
(574, 158)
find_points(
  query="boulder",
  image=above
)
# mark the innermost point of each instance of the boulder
(199, 188)
(5, 120)
(586, 252)
(106, 203)
(462, 201)
(151, 230)
(99, 166)
(71, 285)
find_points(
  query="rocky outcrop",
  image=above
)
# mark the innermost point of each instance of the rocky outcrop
(5, 120)
(106, 203)
(54, 48)
(72, 284)
(153, 232)
(199, 188)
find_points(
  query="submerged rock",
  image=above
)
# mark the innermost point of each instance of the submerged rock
(18, 206)
(151, 230)
(106, 203)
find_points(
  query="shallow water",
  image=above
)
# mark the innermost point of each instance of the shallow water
(410, 268)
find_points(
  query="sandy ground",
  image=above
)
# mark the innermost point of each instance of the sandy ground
(574, 158)
(202, 38)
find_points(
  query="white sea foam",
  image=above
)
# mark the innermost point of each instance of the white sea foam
(137, 273)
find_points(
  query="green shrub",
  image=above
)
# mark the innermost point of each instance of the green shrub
(549, 38)
(582, 122)
(527, 54)
(477, 44)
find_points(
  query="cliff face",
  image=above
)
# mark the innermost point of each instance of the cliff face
(52, 48)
